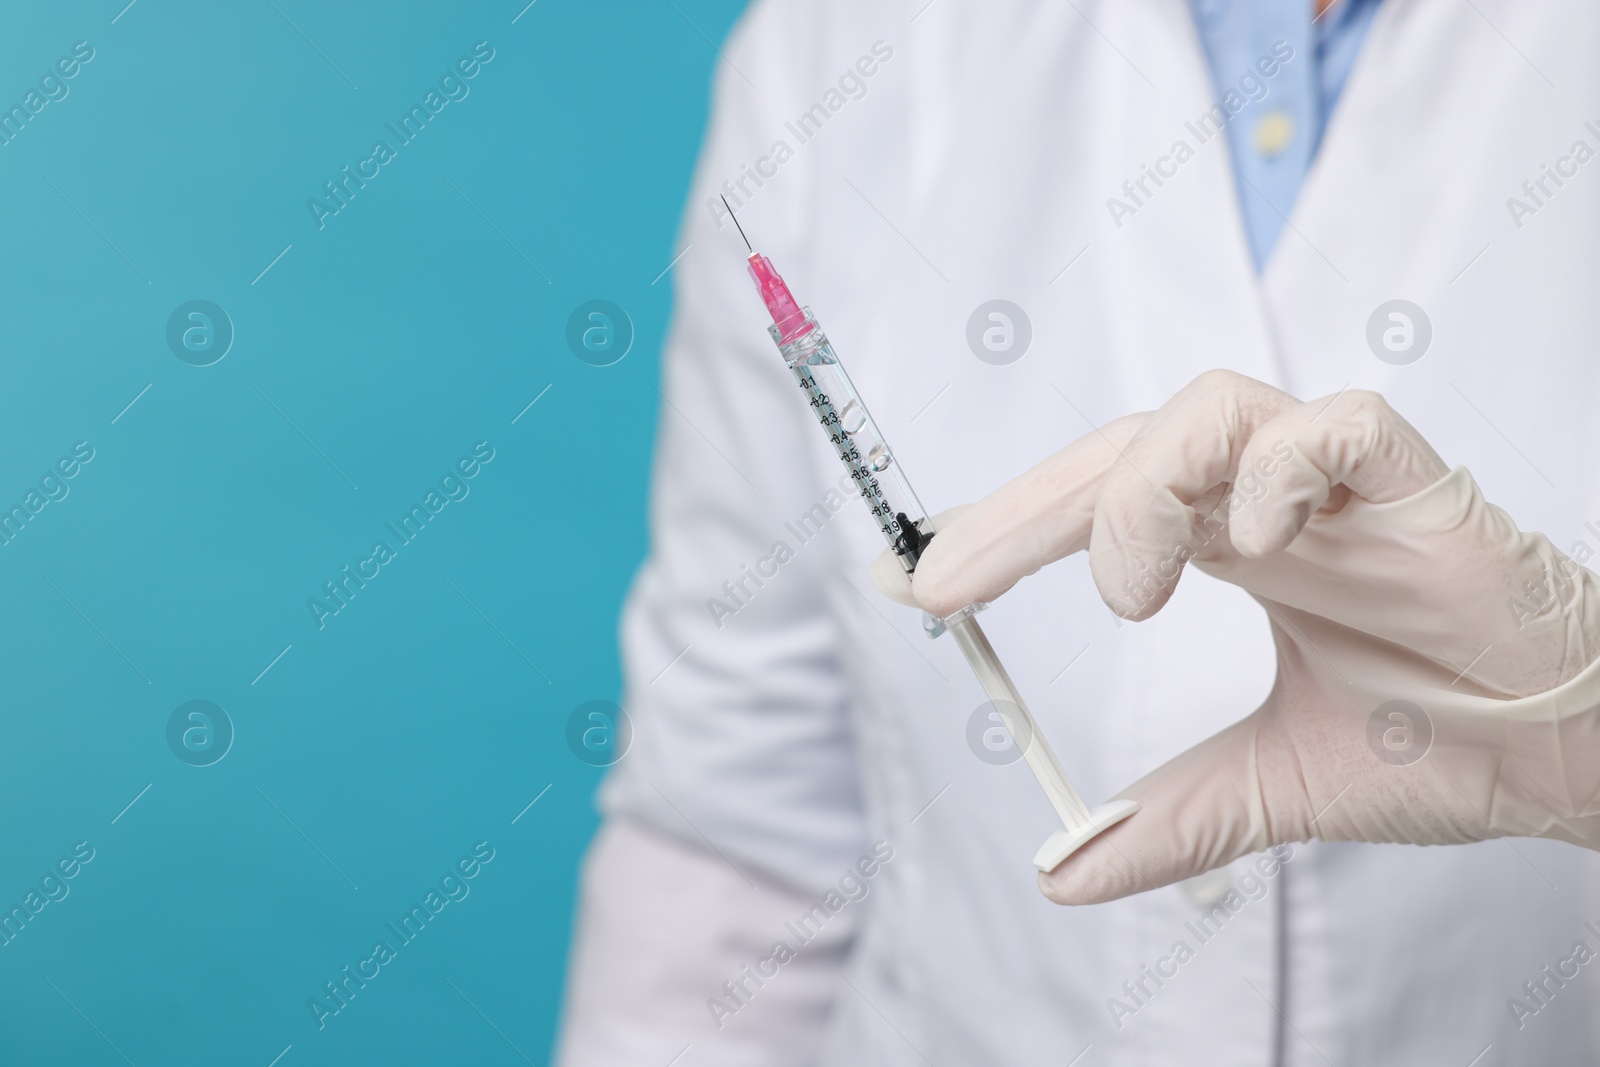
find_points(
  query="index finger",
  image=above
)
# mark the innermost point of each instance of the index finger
(1035, 519)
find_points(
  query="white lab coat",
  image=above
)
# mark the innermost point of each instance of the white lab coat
(774, 749)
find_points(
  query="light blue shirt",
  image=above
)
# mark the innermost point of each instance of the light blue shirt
(1274, 136)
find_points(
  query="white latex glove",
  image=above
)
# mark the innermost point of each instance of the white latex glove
(1387, 577)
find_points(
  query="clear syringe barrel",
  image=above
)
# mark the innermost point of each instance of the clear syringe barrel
(856, 439)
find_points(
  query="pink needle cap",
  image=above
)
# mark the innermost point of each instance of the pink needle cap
(781, 305)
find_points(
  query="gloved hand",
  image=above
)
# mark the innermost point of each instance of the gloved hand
(1435, 663)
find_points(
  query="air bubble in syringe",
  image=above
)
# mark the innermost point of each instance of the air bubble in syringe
(853, 418)
(878, 459)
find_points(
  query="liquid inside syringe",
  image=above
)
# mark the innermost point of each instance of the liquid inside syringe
(847, 427)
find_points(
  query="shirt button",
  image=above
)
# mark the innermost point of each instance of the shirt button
(1273, 132)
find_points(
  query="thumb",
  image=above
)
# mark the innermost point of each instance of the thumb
(1198, 811)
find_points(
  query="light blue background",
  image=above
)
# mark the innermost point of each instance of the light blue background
(180, 563)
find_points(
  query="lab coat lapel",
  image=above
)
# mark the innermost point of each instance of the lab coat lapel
(1181, 292)
(1409, 200)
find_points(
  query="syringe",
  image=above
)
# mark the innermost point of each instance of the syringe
(907, 528)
